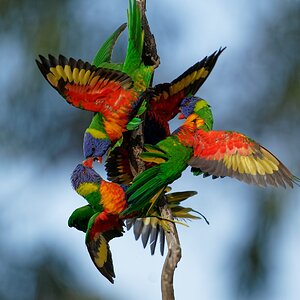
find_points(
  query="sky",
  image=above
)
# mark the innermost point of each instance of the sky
(44, 197)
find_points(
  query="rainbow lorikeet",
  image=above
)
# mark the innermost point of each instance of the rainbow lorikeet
(106, 201)
(149, 229)
(216, 153)
(165, 98)
(101, 220)
(110, 90)
(163, 105)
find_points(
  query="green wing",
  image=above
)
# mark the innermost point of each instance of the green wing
(105, 52)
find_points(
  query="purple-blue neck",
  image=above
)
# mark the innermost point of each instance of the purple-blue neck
(94, 147)
(82, 174)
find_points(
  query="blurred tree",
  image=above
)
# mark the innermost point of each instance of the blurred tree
(277, 61)
(46, 276)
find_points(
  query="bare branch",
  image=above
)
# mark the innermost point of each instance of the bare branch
(173, 256)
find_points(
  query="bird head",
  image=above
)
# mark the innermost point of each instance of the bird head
(95, 145)
(84, 175)
(198, 108)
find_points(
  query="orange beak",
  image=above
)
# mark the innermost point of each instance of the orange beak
(181, 116)
(88, 162)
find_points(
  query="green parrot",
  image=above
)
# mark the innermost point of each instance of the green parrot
(216, 153)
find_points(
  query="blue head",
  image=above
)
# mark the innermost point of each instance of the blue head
(83, 174)
(187, 105)
(94, 147)
(197, 106)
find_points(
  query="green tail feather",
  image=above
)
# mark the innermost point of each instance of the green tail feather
(105, 52)
(135, 39)
(145, 186)
(177, 197)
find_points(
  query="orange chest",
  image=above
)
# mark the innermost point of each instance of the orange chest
(113, 197)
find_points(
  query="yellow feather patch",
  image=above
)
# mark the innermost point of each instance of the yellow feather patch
(55, 73)
(96, 133)
(52, 79)
(227, 161)
(61, 72)
(81, 76)
(68, 72)
(76, 75)
(102, 252)
(86, 188)
(247, 165)
(153, 150)
(252, 165)
(86, 77)
(200, 104)
(234, 163)
(269, 157)
(202, 74)
(267, 167)
(240, 165)
(156, 160)
(259, 167)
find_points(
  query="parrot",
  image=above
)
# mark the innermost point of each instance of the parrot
(165, 98)
(101, 220)
(211, 152)
(111, 91)
(163, 104)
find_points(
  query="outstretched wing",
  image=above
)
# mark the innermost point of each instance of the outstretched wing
(85, 86)
(105, 52)
(225, 153)
(167, 96)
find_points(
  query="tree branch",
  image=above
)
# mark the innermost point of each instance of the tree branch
(173, 256)
(150, 57)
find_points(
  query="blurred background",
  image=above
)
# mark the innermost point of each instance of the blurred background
(251, 248)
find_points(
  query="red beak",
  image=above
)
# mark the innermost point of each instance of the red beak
(88, 162)
(181, 116)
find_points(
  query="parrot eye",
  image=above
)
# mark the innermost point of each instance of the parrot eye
(84, 172)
